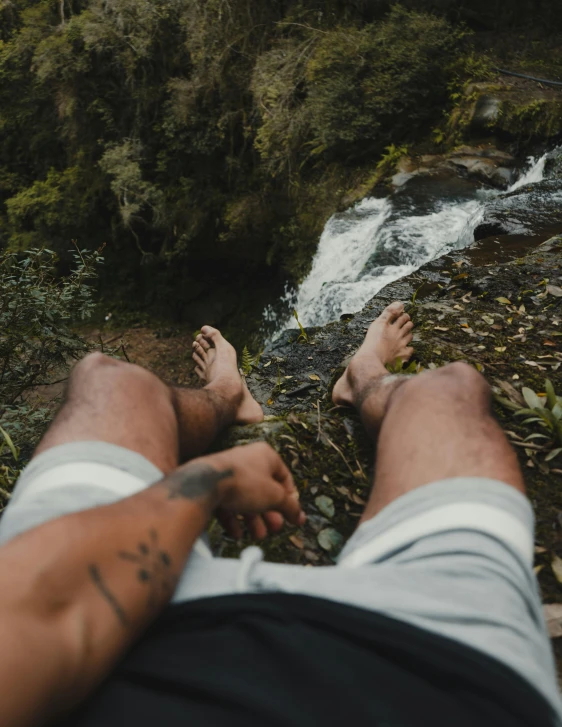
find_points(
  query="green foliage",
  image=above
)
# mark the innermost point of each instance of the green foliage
(544, 410)
(247, 361)
(37, 309)
(401, 367)
(303, 336)
(189, 132)
(9, 467)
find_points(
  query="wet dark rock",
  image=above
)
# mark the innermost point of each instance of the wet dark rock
(525, 211)
(553, 164)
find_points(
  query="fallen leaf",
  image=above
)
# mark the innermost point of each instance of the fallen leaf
(296, 541)
(464, 325)
(500, 349)
(314, 377)
(343, 491)
(539, 550)
(330, 540)
(554, 290)
(325, 478)
(556, 565)
(488, 319)
(270, 402)
(547, 342)
(462, 276)
(505, 301)
(311, 555)
(479, 367)
(267, 364)
(512, 392)
(515, 377)
(440, 328)
(554, 453)
(553, 617)
(468, 330)
(358, 500)
(326, 506)
(537, 569)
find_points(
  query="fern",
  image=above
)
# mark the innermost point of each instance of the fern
(247, 361)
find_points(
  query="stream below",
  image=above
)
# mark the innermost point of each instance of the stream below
(380, 240)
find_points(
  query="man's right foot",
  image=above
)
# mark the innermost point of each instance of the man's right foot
(387, 340)
(216, 366)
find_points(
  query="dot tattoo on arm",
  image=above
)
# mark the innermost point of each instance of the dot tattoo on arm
(153, 569)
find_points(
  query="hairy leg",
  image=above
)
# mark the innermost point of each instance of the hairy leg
(429, 427)
(123, 404)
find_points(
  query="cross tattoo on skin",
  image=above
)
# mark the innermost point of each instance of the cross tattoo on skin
(153, 565)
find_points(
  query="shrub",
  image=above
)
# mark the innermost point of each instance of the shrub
(37, 309)
(351, 91)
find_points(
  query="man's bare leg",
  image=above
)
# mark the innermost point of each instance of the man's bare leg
(123, 404)
(429, 427)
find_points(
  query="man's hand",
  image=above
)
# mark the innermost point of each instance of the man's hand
(251, 481)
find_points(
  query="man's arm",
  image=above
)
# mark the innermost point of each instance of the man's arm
(77, 591)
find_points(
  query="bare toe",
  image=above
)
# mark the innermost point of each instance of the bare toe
(211, 334)
(200, 362)
(202, 341)
(200, 350)
(392, 312)
(402, 320)
(199, 371)
(407, 327)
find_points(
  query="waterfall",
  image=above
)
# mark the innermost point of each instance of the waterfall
(378, 241)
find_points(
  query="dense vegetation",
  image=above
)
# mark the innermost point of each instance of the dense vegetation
(37, 342)
(186, 133)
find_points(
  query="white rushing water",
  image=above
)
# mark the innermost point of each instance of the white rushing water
(381, 240)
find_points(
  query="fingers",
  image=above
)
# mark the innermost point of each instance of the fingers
(256, 526)
(230, 523)
(274, 521)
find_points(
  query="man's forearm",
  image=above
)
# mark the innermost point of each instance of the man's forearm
(77, 591)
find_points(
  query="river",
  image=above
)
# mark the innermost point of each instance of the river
(380, 240)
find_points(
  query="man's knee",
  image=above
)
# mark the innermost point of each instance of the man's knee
(96, 371)
(462, 376)
(458, 382)
(93, 366)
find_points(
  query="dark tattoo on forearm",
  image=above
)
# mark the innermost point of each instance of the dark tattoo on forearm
(102, 587)
(197, 480)
(154, 569)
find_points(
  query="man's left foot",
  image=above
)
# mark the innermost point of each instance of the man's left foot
(216, 364)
